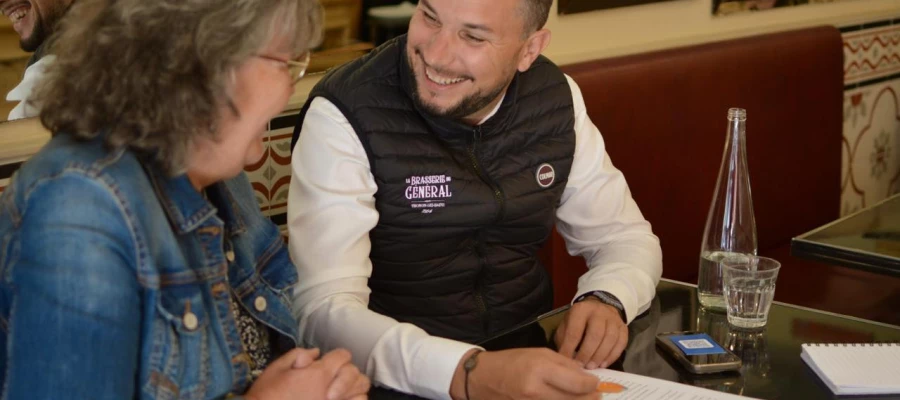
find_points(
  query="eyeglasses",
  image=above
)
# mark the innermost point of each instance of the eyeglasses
(296, 68)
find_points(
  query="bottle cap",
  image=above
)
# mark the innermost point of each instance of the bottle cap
(739, 114)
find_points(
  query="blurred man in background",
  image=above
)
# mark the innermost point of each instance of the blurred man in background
(34, 21)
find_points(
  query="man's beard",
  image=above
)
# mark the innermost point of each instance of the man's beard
(467, 106)
(43, 27)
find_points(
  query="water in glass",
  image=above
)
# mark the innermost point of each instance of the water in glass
(748, 301)
(749, 287)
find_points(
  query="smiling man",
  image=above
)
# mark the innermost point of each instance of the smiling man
(34, 21)
(425, 178)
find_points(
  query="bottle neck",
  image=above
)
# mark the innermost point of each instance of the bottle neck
(737, 131)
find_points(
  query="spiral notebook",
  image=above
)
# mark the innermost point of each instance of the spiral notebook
(863, 368)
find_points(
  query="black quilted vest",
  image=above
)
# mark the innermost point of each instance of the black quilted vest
(463, 210)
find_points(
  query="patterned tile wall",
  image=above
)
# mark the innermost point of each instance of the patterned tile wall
(271, 176)
(871, 145)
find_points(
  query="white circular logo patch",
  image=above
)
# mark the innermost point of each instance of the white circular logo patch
(545, 175)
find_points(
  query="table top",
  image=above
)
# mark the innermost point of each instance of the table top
(772, 368)
(868, 239)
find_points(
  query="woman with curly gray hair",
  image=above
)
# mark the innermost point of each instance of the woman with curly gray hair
(134, 260)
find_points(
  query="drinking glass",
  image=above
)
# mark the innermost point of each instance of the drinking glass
(749, 287)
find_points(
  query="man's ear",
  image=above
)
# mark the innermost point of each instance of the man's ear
(534, 46)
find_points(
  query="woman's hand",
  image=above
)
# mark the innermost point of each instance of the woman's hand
(301, 374)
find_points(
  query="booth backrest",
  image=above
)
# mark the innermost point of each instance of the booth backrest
(663, 117)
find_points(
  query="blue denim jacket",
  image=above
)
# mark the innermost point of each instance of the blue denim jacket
(115, 280)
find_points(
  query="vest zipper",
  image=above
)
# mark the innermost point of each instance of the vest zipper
(501, 202)
(479, 294)
(473, 158)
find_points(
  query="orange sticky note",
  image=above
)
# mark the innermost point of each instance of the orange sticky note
(609, 387)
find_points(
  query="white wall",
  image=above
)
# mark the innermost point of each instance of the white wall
(627, 30)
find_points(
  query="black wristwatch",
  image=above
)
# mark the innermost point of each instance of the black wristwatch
(605, 298)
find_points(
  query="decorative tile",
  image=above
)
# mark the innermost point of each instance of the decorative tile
(881, 154)
(256, 172)
(281, 165)
(871, 53)
(274, 176)
(871, 150)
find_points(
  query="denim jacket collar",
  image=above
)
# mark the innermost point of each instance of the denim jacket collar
(228, 208)
(187, 209)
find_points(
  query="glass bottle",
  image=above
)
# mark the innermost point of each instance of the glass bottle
(730, 225)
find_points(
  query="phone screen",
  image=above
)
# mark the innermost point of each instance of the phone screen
(698, 351)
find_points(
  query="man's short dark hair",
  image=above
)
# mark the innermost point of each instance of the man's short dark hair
(535, 13)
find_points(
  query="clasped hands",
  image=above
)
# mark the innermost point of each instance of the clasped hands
(302, 374)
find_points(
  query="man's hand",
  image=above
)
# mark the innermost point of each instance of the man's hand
(524, 374)
(595, 330)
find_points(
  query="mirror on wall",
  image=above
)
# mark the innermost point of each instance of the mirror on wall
(352, 28)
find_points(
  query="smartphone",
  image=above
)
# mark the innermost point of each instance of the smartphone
(698, 352)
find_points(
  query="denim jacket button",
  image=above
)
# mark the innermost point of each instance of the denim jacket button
(229, 255)
(190, 321)
(260, 303)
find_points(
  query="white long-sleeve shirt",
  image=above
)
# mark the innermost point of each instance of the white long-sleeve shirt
(331, 209)
(24, 90)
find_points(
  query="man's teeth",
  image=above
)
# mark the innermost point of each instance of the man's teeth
(17, 15)
(441, 80)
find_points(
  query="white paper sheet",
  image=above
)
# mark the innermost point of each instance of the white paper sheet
(644, 388)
